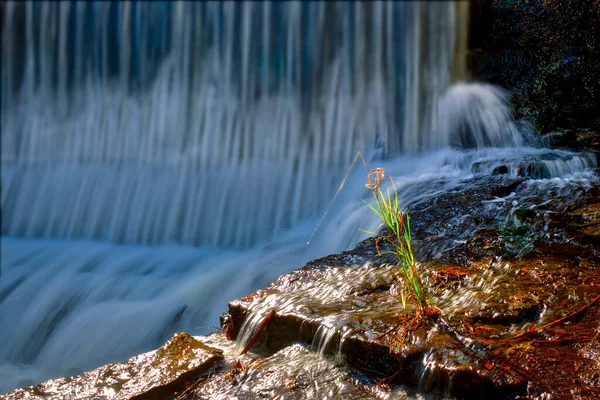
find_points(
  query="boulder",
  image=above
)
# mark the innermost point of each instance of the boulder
(157, 374)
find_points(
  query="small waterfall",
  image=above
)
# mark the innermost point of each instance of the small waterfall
(473, 115)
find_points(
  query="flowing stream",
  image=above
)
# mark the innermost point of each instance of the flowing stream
(161, 159)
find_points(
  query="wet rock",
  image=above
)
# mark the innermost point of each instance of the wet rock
(347, 305)
(157, 374)
(589, 140)
(589, 217)
(311, 307)
(559, 139)
(293, 373)
(535, 170)
(578, 139)
(500, 170)
(494, 301)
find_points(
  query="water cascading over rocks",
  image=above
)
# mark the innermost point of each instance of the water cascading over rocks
(161, 159)
(149, 122)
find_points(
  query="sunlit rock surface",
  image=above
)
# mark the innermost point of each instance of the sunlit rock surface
(153, 375)
(347, 307)
(520, 263)
(294, 372)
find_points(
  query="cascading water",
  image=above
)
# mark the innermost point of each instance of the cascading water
(174, 112)
(161, 159)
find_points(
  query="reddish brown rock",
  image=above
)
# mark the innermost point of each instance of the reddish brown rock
(348, 304)
(154, 375)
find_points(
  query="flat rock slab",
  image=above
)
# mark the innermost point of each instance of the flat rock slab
(354, 312)
(157, 374)
(348, 305)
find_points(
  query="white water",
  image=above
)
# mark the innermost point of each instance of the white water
(476, 116)
(263, 102)
(139, 198)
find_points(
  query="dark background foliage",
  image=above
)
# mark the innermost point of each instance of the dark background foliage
(547, 53)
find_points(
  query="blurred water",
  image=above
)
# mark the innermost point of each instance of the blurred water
(210, 103)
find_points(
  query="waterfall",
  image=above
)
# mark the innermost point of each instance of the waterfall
(160, 159)
(205, 123)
